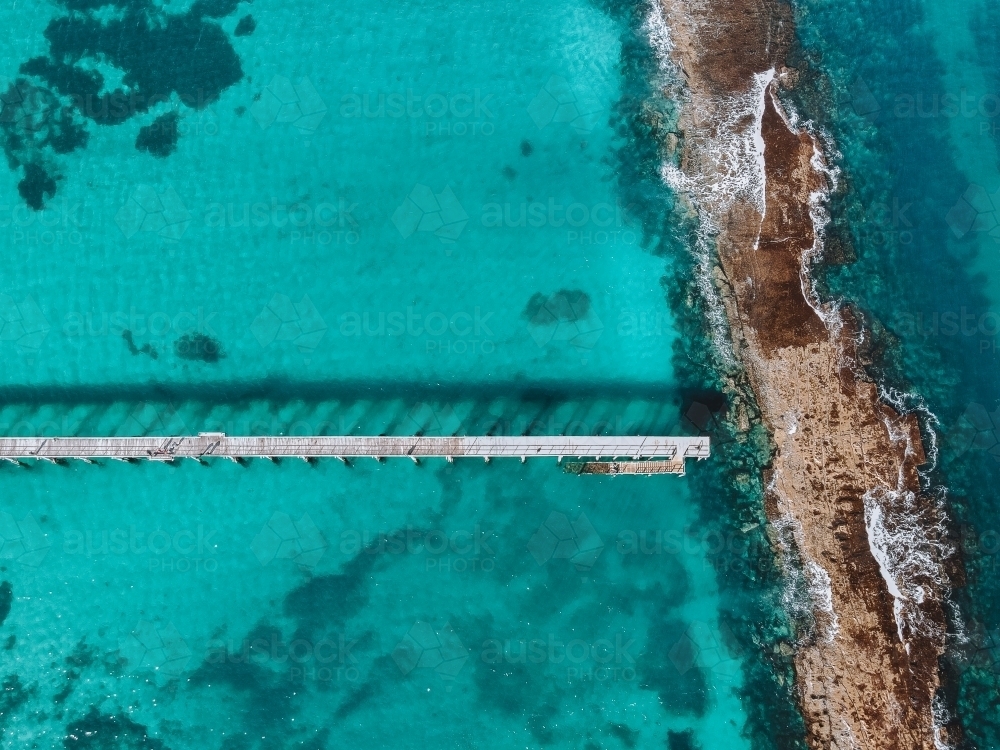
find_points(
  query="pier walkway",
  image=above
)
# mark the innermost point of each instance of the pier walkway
(209, 444)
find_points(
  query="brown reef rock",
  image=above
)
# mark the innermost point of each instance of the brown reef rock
(844, 472)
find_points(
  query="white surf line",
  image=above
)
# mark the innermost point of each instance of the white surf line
(901, 538)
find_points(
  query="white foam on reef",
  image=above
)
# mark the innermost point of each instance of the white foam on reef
(906, 536)
(724, 162)
(718, 321)
(763, 80)
(821, 593)
(845, 737)
(732, 160)
(829, 312)
(659, 37)
(940, 717)
(809, 576)
(658, 32)
(905, 402)
(730, 166)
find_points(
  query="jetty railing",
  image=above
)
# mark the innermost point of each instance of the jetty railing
(208, 444)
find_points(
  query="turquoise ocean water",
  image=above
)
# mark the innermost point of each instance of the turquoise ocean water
(330, 218)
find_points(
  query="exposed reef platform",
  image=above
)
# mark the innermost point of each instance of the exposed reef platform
(843, 486)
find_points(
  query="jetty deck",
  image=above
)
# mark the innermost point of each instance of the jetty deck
(209, 444)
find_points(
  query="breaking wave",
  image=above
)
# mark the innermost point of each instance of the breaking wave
(730, 155)
(907, 537)
(912, 403)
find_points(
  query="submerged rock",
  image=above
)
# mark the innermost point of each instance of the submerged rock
(199, 347)
(159, 138)
(6, 599)
(246, 26)
(161, 56)
(97, 731)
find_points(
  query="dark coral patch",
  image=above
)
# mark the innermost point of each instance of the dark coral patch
(6, 599)
(32, 121)
(182, 55)
(97, 731)
(83, 89)
(32, 118)
(13, 695)
(159, 138)
(509, 688)
(84, 5)
(246, 26)
(81, 658)
(384, 674)
(199, 347)
(567, 305)
(162, 57)
(331, 600)
(214, 8)
(147, 349)
(36, 186)
(669, 667)
(681, 740)
(243, 667)
(624, 733)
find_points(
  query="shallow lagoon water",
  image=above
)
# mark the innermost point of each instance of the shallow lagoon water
(180, 608)
(480, 263)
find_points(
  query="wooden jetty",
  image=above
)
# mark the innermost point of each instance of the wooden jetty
(217, 444)
(614, 468)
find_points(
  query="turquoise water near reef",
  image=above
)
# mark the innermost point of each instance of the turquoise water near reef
(910, 93)
(401, 218)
